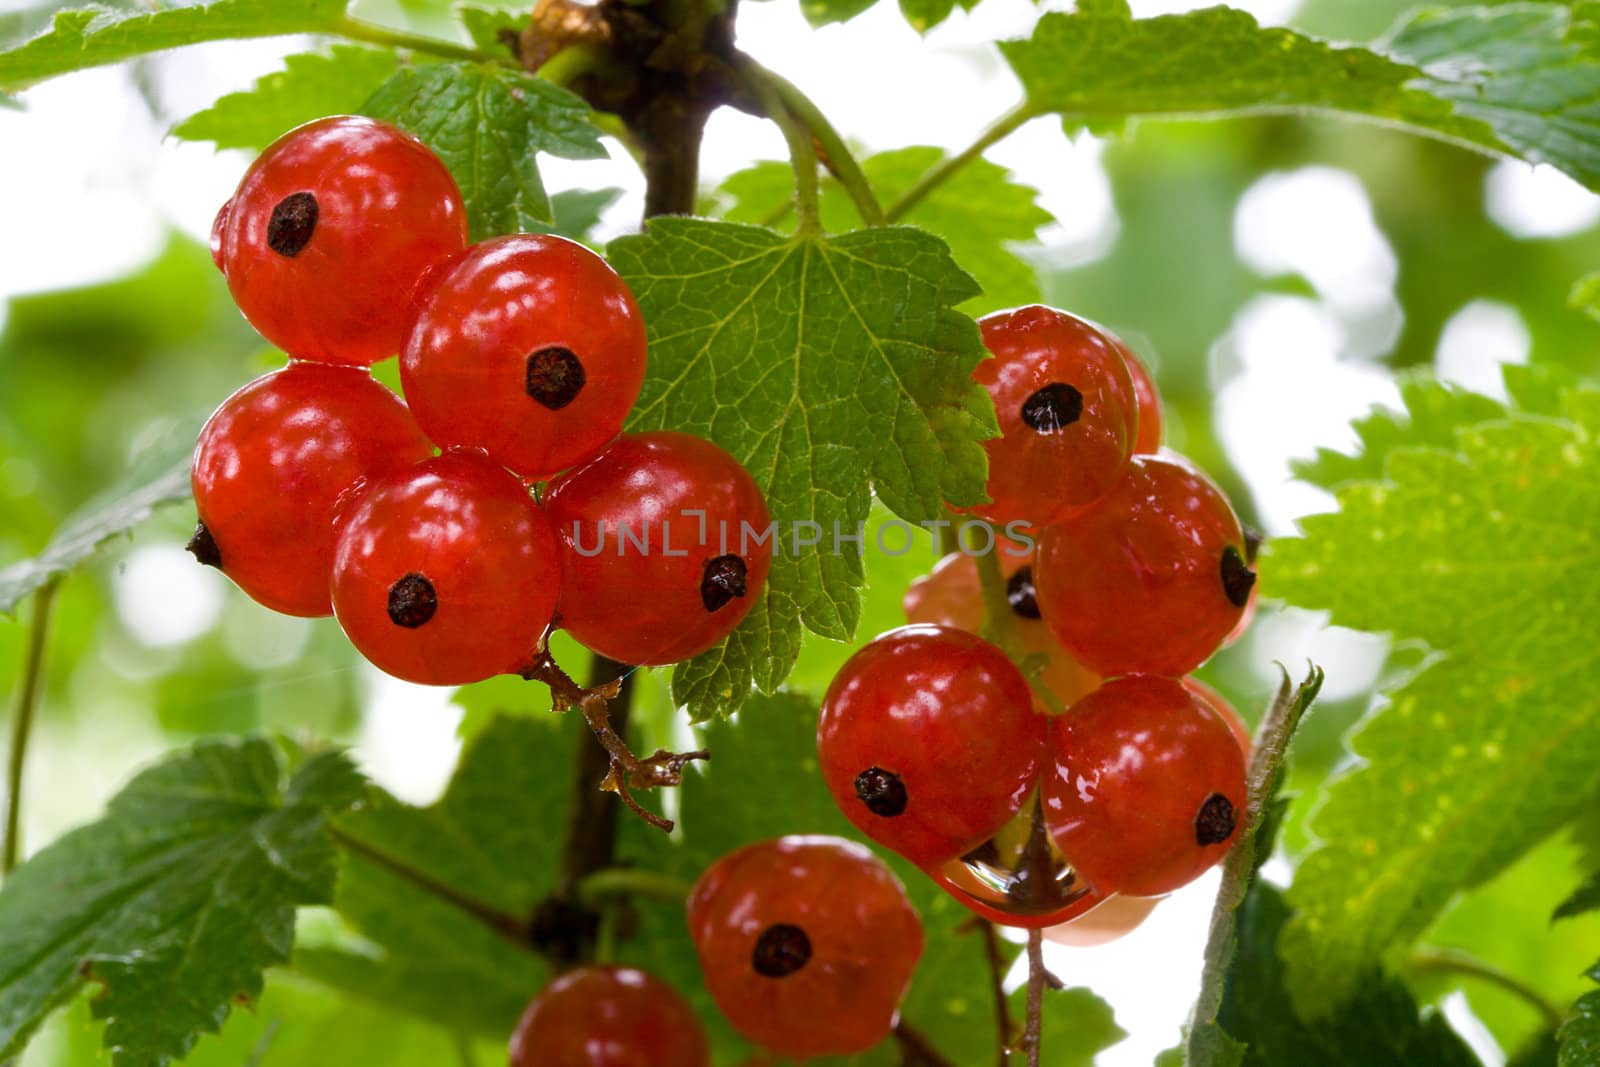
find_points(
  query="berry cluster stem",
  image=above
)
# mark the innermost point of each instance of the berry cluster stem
(1038, 978)
(22, 721)
(997, 979)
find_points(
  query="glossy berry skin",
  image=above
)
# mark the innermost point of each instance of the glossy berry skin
(952, 595)
(607, 1016)
(330, 234)
(1112, 920)
(1067, 411)
(1150, 580)
(528, 347)
(660, 557)
(929, 742)
(1146, 787)
(1219, 704)
(271, 466)
(445, 573)
(1148, 440)
(807, 944)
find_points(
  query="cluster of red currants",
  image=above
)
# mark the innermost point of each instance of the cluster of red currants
(807, 945)
(319, 491)
(1110, 779)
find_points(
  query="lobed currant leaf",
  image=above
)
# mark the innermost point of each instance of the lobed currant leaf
(1584, 899)
(1580, 1034)
(1076, 1025)
(95, 36)
(1455, 549)
(487, 123)
(831, 367)
(175, 901)
(983, 212)
(485, 25)
(310, 85)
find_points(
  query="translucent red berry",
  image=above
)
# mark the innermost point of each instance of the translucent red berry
(1151, 579)
(929, 742)
(1146, 787)
(608, 1016)
(1219, 704)
(1067, 410)
(528, 347)
(1149, 403)
(272, 464)
(807, 944)
(329, 234)
(446, 572)
(1114, 919)
(665, 547)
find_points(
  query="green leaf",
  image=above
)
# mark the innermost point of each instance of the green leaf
(1077, 1025)
(310, 85)
(822, 12)
(486, 25)
(93, 37)
(1585, 295)
(113, 514)
(1585, 898)
(831, 367)
(577, 212)
(982, 212)
(1486, 554)
(1580, 1035)
(174, 902)
(492, 840)
(488, 123)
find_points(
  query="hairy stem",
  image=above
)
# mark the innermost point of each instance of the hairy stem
(1003, 127)
(371, 33)
(836, 155)
(27, 703)
(802, 151)
(1038, 978)
(1450, 961)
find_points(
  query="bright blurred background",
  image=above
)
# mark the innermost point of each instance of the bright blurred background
(1280, 276)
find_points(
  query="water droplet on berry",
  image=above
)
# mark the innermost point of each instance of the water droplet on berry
(294, 220)
(724, 579)
(555, 377)
(780, 951)
(1020, 594)
(1052, 408)
(1019, 871)
(1237, 577)
(412, 601)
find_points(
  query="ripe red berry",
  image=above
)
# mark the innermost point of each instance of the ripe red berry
(1150, 418)
(929, 742)
(1067, 410)
(1113, 919)
(528, 347)
(607, 1016)
(329, 236)
(445, 573)
(1219, 704)
(953, 596)
(664, 544)
(1152, 578)
(271, 466)
(807, 944)
(1146, 787)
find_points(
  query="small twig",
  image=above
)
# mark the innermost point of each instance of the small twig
(1451, 961)
(627, 880)
(371, 33)
(628, 771)
(997, 986)
(915, 1048)
(1038, 978)
(1003, 127)
(27, 704)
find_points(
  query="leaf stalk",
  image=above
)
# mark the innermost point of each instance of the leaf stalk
(27, 703)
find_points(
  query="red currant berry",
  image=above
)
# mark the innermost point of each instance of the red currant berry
(1152, 578)
(446, 572)
(1225, 711)
(272, 465)
(929, 742)
(664, 547)
(1150, 418)
(1067, 410)
(331, 231)
(953, 596)
(1113, 919)
(1146, 788)
(807, 944)
(530, 348)
(604, 1016)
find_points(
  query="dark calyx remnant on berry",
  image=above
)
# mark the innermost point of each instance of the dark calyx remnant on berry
(555, 377)
(412, 601)
(1053, 408)
(881, 791)
(293, 221)
(1237, 577)
(204, 547)
(780, 951)
(1020, 595)
(1215, 822)
(723, 580)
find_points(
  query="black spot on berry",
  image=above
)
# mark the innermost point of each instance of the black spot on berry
(1237, 577)
(293, 221)
(722, 580)
(1020, 595)
(780, 951)
(204, 547)
(412, 601)
(881, 791)
(1215, 822)
(555, 377)
(1053, 408)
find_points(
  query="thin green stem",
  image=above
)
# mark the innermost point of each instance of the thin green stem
(802, 153)
(1450, 961)
(27, 704)
(371, 33)
(839, 159)
(1003, 127)
(627, 880)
